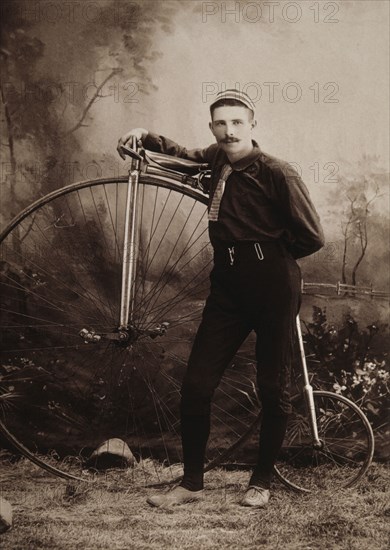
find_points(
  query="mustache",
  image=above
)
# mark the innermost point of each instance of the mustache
(229, 140)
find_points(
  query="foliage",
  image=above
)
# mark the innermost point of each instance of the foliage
(351, 362)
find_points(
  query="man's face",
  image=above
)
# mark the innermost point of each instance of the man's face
(232, 128)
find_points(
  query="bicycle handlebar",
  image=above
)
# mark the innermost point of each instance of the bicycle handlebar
(197, 172)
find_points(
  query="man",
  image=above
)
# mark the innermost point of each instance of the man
(261, 220)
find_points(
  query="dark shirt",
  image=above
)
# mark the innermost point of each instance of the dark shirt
(264, 198)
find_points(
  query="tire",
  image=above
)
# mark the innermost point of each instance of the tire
(60, 397)
(347, 445)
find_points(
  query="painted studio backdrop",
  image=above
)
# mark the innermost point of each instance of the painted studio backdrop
(78, 75)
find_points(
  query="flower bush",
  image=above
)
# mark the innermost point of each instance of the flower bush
(351, 362)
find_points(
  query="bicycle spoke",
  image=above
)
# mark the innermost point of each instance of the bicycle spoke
(56, 281)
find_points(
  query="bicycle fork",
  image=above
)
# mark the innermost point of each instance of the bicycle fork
(308, 390)
(127, 330)
(130, 249)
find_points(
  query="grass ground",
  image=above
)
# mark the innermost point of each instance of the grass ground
(110, 514)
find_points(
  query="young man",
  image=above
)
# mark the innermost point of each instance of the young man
(261, 220)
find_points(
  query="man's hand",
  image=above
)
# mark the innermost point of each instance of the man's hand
(139, 133)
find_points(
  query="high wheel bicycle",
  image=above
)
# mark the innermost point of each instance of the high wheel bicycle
(102, 287)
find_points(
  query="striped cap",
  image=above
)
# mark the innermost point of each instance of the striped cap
(242, 97)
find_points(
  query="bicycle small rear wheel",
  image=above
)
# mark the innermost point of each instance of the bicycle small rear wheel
(61, 274)
(347, 445)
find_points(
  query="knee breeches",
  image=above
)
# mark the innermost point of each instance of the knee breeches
(247, 294)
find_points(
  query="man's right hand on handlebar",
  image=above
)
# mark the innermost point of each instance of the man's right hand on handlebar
(139, 133)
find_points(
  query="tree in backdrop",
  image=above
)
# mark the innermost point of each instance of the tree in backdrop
(355, 229)
(43, 67)
(356, 201)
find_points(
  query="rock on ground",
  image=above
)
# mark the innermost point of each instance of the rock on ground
(113, 453)
(5, 515)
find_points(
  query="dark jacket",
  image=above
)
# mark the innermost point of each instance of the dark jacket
(264, 198)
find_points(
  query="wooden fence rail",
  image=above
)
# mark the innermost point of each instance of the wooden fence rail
(342, 289)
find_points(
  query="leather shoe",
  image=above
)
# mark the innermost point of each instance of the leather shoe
(178, 495)
(257, 497)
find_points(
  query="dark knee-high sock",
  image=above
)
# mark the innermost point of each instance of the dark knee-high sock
(195, 430)
(272, 432)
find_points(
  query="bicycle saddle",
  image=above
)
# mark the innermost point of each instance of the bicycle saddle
(175, 163)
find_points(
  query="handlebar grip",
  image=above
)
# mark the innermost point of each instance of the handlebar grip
(130, 151)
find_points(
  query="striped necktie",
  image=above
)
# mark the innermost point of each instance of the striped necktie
(218, 193)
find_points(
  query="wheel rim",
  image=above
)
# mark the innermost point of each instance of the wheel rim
(61, 274)
(347, 445)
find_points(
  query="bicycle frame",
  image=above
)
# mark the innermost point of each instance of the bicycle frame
(339, 436)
